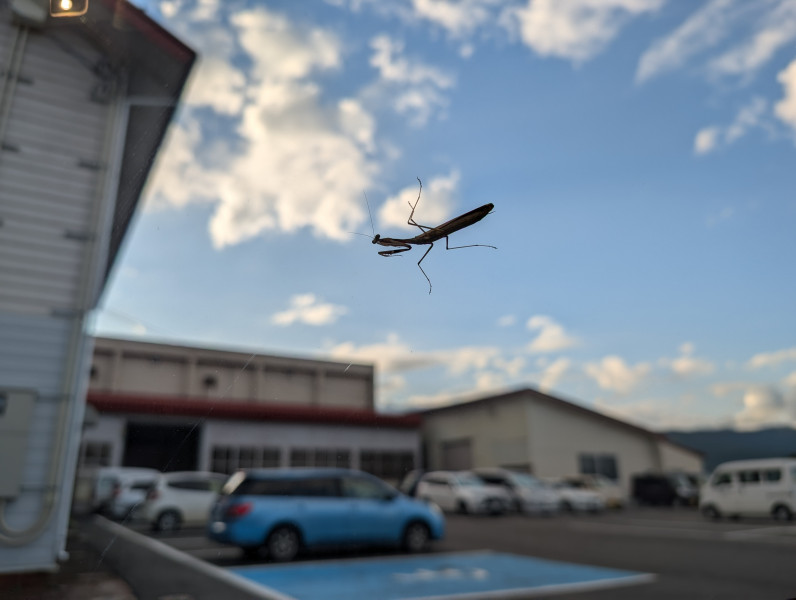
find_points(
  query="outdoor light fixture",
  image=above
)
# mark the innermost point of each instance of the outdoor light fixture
(68, 8)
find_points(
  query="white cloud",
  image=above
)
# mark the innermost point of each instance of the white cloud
(726, 388)
(412, 87)
(706, 140)
(772, 359)
(785, 109)
(705, 28)
(506, 321)
(760, 28)
(459, 18)
(688, 365)
(612, 373)
(294, 160)
(764, 405)
(307, 309)
(725, 213)
(391, 356)
(552, 336)
(749, 116)
(576, 30)
(433, 208)
(553, 373)
(661, 414)
(772, 32)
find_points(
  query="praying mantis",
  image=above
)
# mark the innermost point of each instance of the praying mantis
(430, 235)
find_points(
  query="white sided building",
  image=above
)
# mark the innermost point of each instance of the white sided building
(170, 407)
(538, 433)
(84, 105)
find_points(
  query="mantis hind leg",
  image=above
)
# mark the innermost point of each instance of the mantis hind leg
(421, 268)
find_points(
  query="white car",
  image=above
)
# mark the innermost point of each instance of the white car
(575, 499)
(529, 494)
(181, 497)
(609, 490)
(117, 491)
(463, 492)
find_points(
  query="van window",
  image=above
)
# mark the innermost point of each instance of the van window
(722, 479)
(772, 475)
(264, 487)
(749, 476)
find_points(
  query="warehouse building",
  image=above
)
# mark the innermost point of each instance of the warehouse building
(171, 407)
(549, 437)
(85, 102)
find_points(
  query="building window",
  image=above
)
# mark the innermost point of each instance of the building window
(95, 454)
(320, 457)
(228, 459)
(599, 464)
(386, 464)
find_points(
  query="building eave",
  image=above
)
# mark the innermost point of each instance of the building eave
(205, 408)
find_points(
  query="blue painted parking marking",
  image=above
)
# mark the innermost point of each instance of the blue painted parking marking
(473, 575)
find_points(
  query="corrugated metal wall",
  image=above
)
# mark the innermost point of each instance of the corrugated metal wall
(51, 172)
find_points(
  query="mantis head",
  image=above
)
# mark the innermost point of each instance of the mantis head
(376, 239)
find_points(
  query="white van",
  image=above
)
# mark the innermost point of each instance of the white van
(752, 488)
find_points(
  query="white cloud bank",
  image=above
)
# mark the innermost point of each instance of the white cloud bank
(749, 116)
(576, 30)
(307, 309)
(551, 337)
(614, 374)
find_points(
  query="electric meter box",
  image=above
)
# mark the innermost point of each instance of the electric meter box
(16, 414)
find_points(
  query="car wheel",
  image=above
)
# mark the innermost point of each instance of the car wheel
(782, 513)
(567, 507)
(283, 544)
(461, 507)
(711, 512)
(416, 537)
(168, 520)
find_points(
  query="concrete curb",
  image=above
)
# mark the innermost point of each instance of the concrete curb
(154, 569)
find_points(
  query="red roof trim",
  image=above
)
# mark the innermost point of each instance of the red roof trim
(251, 410)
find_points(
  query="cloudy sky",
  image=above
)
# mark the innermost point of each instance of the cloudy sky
(640, 154)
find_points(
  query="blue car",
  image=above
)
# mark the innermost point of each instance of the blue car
(277, 512)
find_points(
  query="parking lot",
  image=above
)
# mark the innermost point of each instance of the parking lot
(672, 553)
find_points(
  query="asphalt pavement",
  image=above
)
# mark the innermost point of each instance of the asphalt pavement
(687, 556)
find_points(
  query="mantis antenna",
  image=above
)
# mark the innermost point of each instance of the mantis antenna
(372, 228)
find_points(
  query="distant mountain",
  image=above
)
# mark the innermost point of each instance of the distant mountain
(720, 445)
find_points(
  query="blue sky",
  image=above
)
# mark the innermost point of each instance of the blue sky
(639, 153)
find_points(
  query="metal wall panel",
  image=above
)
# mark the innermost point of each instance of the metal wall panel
(50, 179)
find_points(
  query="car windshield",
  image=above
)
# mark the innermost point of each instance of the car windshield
(469, 480)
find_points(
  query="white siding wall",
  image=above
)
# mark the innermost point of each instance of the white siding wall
(559, 434)
(46, 204)
(498, 433)
(134, 367)
(676, 458)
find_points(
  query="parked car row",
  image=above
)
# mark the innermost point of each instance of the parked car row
(497, 491)
(273, 512)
